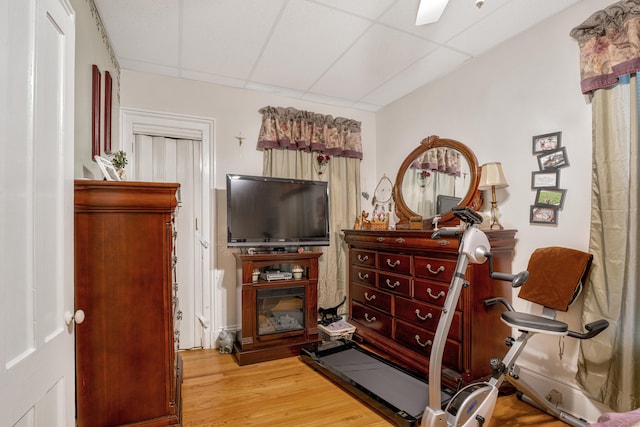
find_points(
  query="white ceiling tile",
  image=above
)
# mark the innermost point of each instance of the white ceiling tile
(365, 8)
(515, 17)
(414, 76)
(303, 46)
(380, 54)
(226, 37)
(144, 30)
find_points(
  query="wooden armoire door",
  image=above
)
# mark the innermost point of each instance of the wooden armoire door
(125, 357)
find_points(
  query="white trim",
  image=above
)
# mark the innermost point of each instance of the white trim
(185, 127)
(574, 400)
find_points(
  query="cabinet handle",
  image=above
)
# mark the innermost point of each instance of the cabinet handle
(400, 240)
(380, 239)
(393, 264)
(394, 285)
(440, 294)
(363, 276)
(435, 272)
(366, 317)
(369, 298)
(363, 258)
(428, 316)
(427, 344)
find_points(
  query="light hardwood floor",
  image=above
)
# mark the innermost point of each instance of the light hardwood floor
(288, 392)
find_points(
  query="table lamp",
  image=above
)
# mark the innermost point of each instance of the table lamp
(492, 177)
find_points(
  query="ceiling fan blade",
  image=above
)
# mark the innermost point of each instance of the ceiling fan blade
(429, 11)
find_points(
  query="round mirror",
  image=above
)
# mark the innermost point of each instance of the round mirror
(439, 174)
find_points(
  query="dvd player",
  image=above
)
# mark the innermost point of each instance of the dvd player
(276, 275)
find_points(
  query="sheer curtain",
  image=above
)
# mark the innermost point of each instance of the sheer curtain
(307, 145)
(343, 177)
(608, 365)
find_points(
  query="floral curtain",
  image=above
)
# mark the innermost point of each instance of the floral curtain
(439, 160)
(292, 129)
(609, 43)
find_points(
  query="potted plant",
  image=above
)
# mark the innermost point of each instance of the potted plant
(119, 161)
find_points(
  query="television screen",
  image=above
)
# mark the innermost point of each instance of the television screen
(274, 212)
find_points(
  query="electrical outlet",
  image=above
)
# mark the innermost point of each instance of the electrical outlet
(555, 397)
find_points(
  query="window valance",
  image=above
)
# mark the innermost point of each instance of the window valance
(439, 160)
(292, 129)
(609, 46)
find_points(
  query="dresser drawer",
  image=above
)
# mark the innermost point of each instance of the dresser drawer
(395, 283)
(363, 275)
(432, 292)
(421, 340)
(434, 268)
(363, 257)
(373, 319)
(426, 316)
(398, 263)
(372, 297)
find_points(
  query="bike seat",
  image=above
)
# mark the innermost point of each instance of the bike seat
(534, 323)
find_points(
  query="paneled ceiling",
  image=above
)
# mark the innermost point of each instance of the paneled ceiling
(361, 54)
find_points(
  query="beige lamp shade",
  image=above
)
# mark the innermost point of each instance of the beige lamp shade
(492, 176)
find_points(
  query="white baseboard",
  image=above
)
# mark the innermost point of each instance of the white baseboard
(574, 399)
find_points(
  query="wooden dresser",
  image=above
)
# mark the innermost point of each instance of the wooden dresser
(126, 366)
(397, 286)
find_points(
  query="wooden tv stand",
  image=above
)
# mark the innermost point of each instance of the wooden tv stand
(258, 340)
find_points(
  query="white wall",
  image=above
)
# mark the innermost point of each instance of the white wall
(235, 111)
(495, 104)
(91, 48)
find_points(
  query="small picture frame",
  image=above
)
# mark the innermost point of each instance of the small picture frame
(108, 170)
(543, 215)
(553, 159)
(546, 142)
(545, 179)
(550, 197)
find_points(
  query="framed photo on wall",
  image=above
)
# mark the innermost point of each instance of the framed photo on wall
(550, 197)
(553, 159)
(545, 179)
(544, 215)
(546, 142)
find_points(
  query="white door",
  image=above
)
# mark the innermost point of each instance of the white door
(37, 379)
(161, 159)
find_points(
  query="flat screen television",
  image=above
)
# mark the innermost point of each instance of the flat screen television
(276, 212)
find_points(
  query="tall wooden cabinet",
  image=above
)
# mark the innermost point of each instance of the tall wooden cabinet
(398, 283)
(127, 367)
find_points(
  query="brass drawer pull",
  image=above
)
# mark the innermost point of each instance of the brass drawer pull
(394, 285)
(363, 276)
(380, 239)
(428, 316)
(427, 344)
(393, 264)
(369, 298)
(366, 317)
(435, 272)
(400, 240)
(363, 258)
(440, 294)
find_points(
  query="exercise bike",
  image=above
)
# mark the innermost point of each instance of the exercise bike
(473, 405)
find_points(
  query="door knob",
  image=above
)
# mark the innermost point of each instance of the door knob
(78, 317)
